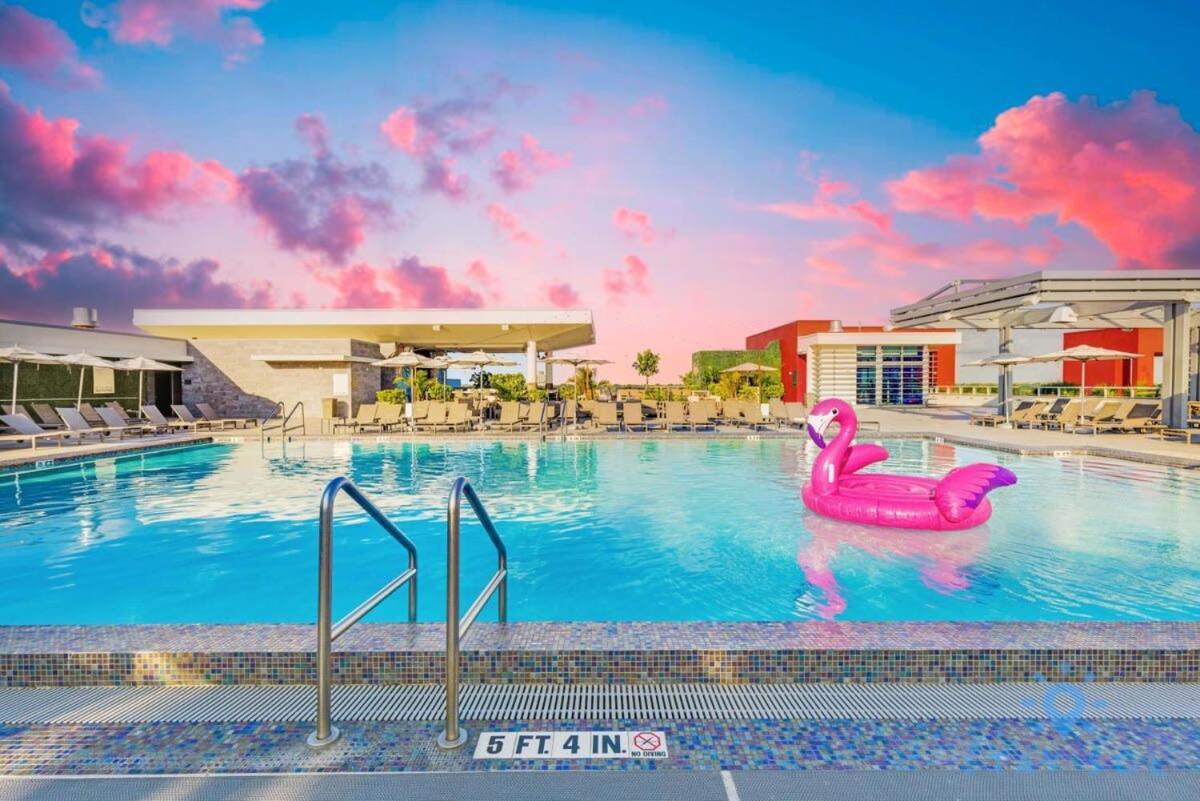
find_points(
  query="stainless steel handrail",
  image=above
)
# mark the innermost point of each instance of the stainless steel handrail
(455, 735)
(327, 631)
(283, 426)
(276, 410)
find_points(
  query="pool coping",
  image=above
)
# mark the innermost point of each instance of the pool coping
(606, 653)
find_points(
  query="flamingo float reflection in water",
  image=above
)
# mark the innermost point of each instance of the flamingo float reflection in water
(957, 500)
(940, 557)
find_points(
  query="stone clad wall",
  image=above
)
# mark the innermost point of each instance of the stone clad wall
(224, 375)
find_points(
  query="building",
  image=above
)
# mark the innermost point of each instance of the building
(248, 360)
(871, 365)
(1144, 371)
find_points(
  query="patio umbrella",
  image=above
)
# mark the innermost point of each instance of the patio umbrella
(84, 360)
(751, 367)
(16, 355)
(144, 365)
(408, 359)
(1084, 354)
(1001, 360)
(478, 359)
(577, 362)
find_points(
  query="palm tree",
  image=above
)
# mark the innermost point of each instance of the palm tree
(646, 365)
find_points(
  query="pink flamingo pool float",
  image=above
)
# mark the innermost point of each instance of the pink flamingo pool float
(957, 500)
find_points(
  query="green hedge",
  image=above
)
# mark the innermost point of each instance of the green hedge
(714, 361)
(56, 384)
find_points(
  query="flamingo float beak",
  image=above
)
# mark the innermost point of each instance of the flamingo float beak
(817, 423)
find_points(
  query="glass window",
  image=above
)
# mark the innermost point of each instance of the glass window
(865, 385)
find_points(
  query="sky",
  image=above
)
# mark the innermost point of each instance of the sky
(690, 174)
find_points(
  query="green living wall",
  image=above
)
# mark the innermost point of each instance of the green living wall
(56, 384)
(714, 361)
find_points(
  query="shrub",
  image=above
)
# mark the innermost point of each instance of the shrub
(508, 386)
(391, 396)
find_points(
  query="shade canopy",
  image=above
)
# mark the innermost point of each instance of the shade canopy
(141, 363)
(576, 361)
(999, 360)
(85, 359)
(1085, 353)
(15, 354)
(749, 367)
(479, 359)
(408, 359)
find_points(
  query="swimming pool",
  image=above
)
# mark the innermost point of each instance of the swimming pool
(596, 530)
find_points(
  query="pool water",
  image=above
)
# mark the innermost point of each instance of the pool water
(609, 530)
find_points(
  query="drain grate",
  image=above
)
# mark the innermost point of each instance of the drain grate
(204, 704)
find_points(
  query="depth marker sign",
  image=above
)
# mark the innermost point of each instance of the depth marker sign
(571, 745)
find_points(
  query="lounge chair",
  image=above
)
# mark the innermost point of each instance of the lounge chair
(458, 415)
(29, 431)
(778, 412)
(209, 414)
(510, 415)
(534, 415)
(116, 423)
(997, 417)
(752, 415)
(156, 417)
(1030, 416)
(87, 412)
(675, 417)
(570, 412)
(18, 409)
(631, 411)
(731, 412)
(605, 415)
(1106, 413)
(797, 413)
(1191, 429)
(390, 416)
(1050, 413)
(46, 416)
(78, 424)
(119, 409)
(1145, 417)
(435, 419)
(702, 414)
(185, 414)
(366, 418)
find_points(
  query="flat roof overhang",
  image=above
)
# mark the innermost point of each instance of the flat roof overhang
(859, 338)
(492, 330)
(1057, 299)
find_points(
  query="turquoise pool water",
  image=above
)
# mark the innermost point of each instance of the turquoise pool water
(610, 530)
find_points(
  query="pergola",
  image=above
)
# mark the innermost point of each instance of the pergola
(1059, 299)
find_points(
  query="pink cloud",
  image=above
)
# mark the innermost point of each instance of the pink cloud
(647, 106)
(632, 278)
(832, 273)
(485, 280)
(588, 110)
(516, 168)
(433, 134)
(41, 50)
(824, 206)
(561, 295)
(116, 281)
(319, 205)
(56, 184)
(1128, 172)
(892, 251)
(510, 225)
(636, 225)
(161, 22)
(407, 283)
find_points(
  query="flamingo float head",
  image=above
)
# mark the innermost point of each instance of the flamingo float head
(827, 412)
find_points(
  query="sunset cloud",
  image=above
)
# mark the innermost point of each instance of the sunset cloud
(320, 205)
(560, 295)
(407, 283)
(56, 184)
(485, 280)
(161, 22)
(509, 224)
(517, 167)
(1128, 172)
(825, 206)
(117, 281)
(633, 278)
(636, 225)
(39, 49)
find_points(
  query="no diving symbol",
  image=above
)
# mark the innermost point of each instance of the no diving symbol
(647, 741)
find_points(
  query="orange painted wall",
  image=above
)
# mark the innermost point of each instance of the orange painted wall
(794, 366)
(1120, 373)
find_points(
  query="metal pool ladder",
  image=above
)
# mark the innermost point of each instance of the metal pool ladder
(327, 631)
(285, 425)
(454, 736)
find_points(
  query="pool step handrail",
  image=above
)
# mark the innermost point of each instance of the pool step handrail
(327, 630)
(454, 735)
(285, 425)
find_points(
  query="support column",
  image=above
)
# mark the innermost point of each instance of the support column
(1194, 393)
(1004, 393)
(1176, 385)
(531, 360)
(549, 371)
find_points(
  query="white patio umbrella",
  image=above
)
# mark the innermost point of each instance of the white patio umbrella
(577, 362)
(84, 360)
(144, 365)
(478, 359)
(751, 367)
(408, 360)
(16, 356)
(1084, 354)
(999, 360)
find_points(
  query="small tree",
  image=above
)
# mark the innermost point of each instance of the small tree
(646, 365)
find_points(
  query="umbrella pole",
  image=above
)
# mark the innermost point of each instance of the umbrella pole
(79, 400)
(16, 372)
(141, 390)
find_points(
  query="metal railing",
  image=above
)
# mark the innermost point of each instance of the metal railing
(327, 631)
(455, 735)
(284, 425)
(1056, 390)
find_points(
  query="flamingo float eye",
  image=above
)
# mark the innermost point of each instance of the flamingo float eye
(834, 412)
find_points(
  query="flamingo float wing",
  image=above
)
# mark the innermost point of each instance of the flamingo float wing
(860, 456)
(962, 489)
